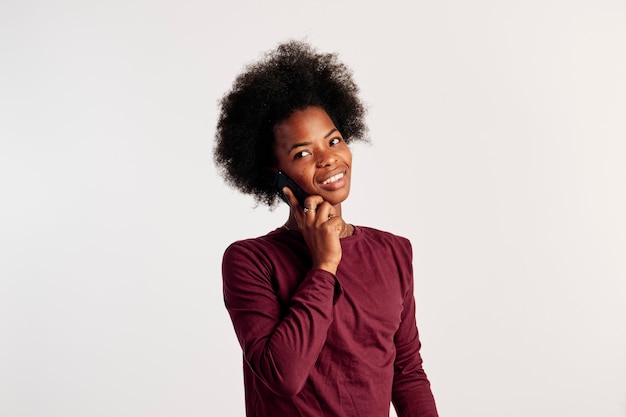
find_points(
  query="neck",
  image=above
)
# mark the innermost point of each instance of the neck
(346, 229)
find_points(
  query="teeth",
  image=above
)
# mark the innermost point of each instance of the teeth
(334, 178)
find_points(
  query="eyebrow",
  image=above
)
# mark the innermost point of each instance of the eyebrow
(297, 145)
(333, 130)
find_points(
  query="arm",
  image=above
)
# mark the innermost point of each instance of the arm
(411, 395)
(280, 343)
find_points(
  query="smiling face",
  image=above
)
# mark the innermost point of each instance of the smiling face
(312, 152)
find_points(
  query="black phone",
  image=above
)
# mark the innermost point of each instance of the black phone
(282, 180)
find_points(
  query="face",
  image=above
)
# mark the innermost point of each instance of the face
(312, 152)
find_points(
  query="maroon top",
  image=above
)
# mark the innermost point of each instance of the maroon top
(319, 345)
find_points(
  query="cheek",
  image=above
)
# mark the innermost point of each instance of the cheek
(305, 175)
(348, 157)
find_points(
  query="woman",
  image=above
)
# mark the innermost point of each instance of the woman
(324, 310)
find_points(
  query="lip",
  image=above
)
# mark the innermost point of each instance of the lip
(340, 183)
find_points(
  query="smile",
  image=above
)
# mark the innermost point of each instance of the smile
(334, 178)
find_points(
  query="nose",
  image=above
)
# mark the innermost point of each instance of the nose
(326, 158)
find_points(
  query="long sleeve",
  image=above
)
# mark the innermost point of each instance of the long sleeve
(314, 343)
(411, 394)
(281, 341)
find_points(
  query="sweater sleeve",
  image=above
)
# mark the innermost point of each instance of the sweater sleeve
(280, 343)
(411, 394)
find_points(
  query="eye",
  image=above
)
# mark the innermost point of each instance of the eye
(301, 154)
(334, 141)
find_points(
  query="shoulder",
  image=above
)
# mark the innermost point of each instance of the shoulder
(251, 257)
(252, 245)
(395, 241)
(273, 245)
(260, 259)
(392, 254)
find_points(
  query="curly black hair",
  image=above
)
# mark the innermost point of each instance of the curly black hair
(291, 77)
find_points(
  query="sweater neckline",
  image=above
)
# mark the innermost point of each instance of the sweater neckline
(356, 236)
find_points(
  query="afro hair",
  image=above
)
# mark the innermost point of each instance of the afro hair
(291, 77)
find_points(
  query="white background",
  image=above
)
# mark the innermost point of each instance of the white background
(498, 147)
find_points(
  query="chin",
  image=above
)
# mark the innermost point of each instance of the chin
(338, 199)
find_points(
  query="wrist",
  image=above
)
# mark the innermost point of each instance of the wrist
(327, 266)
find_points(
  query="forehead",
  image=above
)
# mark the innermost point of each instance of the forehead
(309, 124)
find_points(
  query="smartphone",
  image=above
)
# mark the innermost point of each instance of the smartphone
(282, 180)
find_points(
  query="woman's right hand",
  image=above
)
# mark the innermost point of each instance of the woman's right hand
(320, 227)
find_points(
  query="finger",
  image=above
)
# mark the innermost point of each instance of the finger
(312, 202)
(293, 201)
(332, 212)
(325, 212)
